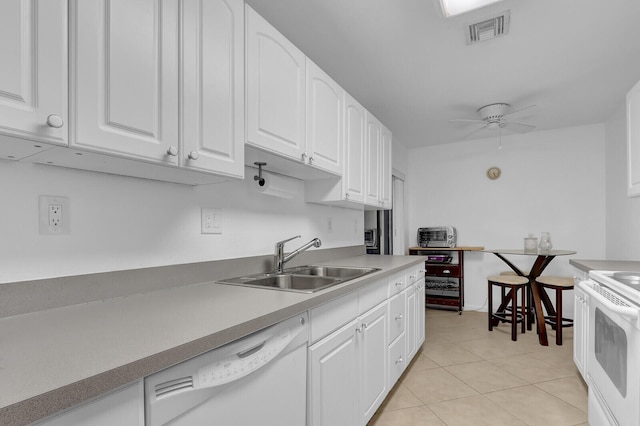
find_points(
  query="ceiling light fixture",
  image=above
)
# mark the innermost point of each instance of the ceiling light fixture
(456, 7)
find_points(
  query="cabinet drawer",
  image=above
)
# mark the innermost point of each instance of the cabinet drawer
(397, 314)
(443, 270)
(397, 359)
(397, 283)
(333, 315)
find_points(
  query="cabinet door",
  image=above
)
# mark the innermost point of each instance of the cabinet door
(213, 86)
(580, 330)
(372, 161)
(410, 330)
(633, 141)
(325, 100)
(124, 78)
(385, 167)
(333, 388)
(33, 75)
(124, 407)
(354, 149)
(420, 313)
(373, 361)
(275, 90)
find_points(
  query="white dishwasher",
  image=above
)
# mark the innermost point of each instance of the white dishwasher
(259, 379)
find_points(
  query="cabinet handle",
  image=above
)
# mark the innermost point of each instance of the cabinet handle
(303, 157)
(413, 277)
(364, 326)
(173, 151)
(399, 360)
(399, 317)
(398, 284)
(55, 121)
(446, 271)
(193, 155)
(346, 196)
(359, 329)
(311, 160)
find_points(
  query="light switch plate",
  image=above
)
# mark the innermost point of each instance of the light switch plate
(210, 221)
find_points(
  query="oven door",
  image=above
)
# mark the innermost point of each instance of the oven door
(613, 349)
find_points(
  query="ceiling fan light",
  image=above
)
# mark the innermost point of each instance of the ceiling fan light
(457, 7)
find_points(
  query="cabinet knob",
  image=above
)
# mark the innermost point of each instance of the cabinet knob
(398, 284)
(346, 196)
(303, 157)
(173, 151)
(399, 360)
(446, 271)
(193, 155)
(55, 121)
(310, 160)
(399, 317)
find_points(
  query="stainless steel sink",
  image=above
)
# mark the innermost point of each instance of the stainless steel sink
(333, 271)
(305, 279)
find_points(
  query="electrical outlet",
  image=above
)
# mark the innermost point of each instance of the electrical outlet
(54, 215)
(210, 221)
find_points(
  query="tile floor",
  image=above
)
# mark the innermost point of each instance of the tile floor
(467, 375)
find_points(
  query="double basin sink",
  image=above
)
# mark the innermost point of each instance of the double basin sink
(304, 279)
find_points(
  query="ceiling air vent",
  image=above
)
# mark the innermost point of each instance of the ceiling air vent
(490, 27)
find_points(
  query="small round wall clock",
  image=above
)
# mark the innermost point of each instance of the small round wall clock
(493, 173)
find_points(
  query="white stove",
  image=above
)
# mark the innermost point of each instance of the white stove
(610, 325)
(625, 283)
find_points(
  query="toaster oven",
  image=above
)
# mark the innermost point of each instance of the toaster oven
(437, 236)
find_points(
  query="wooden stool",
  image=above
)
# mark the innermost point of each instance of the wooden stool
(513, 283)
(555, 319)
(529, 311)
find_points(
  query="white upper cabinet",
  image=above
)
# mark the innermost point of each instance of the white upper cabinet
(377, 165)
(385, 167)
(33, 76)
(213, 86)
(275, 90)
(372, 161)
(325, 100)
(354, 149)
(124, 76)
(633, 141)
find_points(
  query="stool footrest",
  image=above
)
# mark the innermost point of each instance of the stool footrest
(504, 317)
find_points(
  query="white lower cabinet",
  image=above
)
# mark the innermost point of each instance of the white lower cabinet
(123, 407)
(412, 322)
(348, 376)
(580, 330)
(333, 387)
(359, 349)
(373, 361)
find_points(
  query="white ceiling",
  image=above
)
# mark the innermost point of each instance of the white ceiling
(412, 68)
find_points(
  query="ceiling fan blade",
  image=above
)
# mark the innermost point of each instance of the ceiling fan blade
(519, 110)
(463, 120)
(519, 127)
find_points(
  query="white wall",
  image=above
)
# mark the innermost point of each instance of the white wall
(623, 213)
(123, 223)
(551, 181)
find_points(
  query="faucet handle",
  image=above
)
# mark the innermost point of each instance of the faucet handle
(281, 243)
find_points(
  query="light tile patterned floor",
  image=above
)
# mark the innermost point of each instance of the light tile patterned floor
(467, 375)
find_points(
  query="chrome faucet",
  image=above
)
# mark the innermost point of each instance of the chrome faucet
(279, 259)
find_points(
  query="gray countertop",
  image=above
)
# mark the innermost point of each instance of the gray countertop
(53, 359)
(587, 265)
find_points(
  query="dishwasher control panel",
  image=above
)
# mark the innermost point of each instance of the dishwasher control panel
(247, 361)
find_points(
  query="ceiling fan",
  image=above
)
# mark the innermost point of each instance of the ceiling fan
(497, 116)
